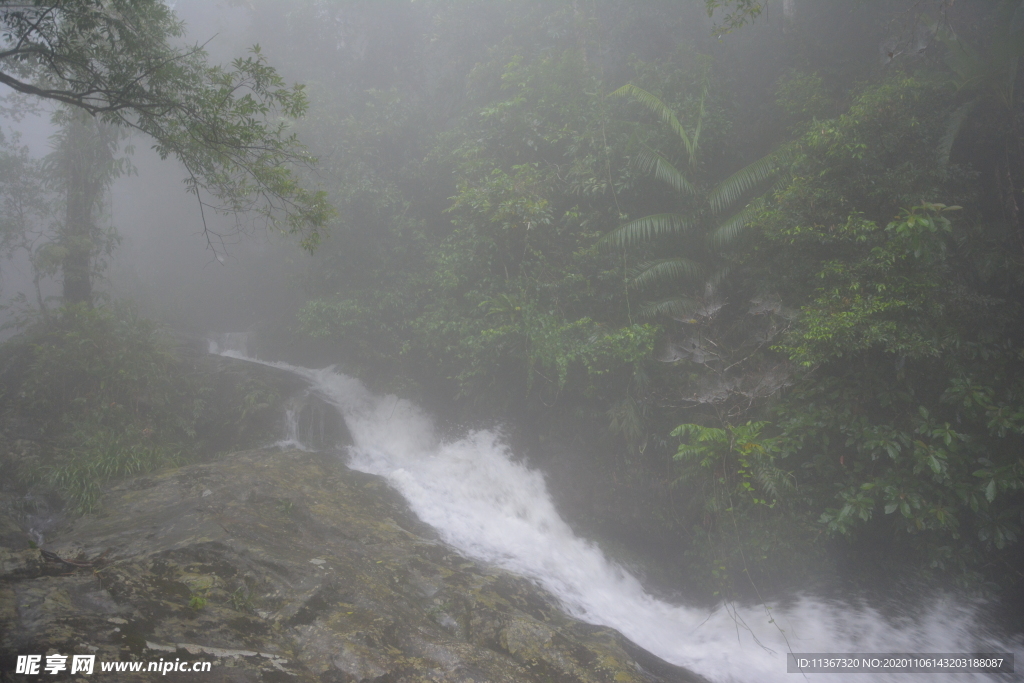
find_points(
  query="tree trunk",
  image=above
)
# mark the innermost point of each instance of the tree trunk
(87, 160)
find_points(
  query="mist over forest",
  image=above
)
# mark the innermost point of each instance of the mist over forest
(731, 288)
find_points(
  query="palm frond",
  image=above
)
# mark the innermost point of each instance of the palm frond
(645, 229)
(781, 182)
(995, 69)
(679, 308)
(663, 112)
(731, 228)
(700, 116)
(715, 279)
(666, 270)
(742, 181)
(963, 60)
(650, 161)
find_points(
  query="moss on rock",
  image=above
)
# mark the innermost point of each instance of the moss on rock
(302, 569)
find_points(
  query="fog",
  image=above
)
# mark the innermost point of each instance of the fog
(715, 304)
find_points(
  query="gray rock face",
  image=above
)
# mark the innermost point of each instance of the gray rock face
(289, 567)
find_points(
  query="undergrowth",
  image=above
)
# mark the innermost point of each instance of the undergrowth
(101, 394)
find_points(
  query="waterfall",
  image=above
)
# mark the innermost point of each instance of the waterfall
(497, 510)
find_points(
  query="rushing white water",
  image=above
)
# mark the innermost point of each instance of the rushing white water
(497, 510)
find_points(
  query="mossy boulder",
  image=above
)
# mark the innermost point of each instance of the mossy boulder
(282, 566)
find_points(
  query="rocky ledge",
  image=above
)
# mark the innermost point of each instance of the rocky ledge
(287, 567)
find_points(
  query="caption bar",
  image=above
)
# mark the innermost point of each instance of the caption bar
(898, 662)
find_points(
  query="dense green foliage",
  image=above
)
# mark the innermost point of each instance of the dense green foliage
(822, 291)
(907, 427)
(95, 395)
(763, 269)
(121, 61)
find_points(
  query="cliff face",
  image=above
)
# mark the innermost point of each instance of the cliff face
(287, 567)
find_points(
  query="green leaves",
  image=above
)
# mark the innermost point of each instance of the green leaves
(691, 141)
(109, 398)
(722, 197)
(917, 229)
(118, 60)
(735, 459)
(738, 12)
(653, 163)
(856, 506)
(650, 273)
(552, 346)
(645, 229)
(884, 293)
(990, 491)
(913, 404)
(987, 71)
(733, 188)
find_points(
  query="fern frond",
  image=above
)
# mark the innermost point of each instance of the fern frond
(663, 112)
(650, 161)
(771, 478)
(626, 418)
(645, 229)
(728, 230)
(666, 270)
(729, 191)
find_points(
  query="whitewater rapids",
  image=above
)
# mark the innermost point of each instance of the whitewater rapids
(494, 509)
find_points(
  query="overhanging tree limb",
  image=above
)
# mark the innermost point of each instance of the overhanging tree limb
(117, 60)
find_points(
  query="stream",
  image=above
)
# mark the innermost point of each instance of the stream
(495, 509)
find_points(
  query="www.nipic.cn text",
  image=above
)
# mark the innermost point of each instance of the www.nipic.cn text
(35, 665)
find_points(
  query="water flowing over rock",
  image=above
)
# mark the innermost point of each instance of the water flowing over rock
(488, 504)
(280, 566)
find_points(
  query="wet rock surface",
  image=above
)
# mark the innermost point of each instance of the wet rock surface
(289, 567)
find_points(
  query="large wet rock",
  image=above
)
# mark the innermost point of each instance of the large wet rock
(289, 567)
